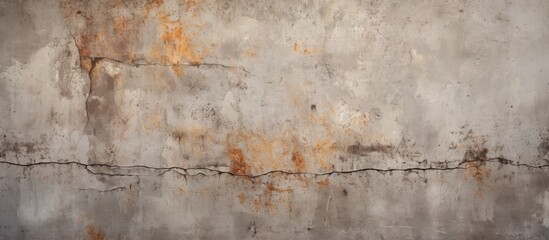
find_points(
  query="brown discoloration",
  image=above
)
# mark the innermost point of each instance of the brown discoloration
(299, 161)
(113, 35)
(194, 141)
(150, 6)
(268, 195)
(86, 64)
(479, 172)
(95, 233)
(155, 120)
(194, 6)
(324, 150)
(238, 163)
(475, 164)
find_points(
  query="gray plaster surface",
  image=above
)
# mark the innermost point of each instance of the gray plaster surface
(203, 119)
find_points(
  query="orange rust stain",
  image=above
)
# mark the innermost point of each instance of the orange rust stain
(178, 70)
(95, 233)
(301, 48)
(266, 152)
(257, 203)
(121, 25)
(251, 52)
(299, 161)
(479, 172)
(268, 195)
(86, 64)
(270, 188)
(238, 164)
(84, 40)
(324, 150)
(153, 121)
(323, 183)
(177, 46)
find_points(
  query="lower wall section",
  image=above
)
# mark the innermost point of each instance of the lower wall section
(70, 201)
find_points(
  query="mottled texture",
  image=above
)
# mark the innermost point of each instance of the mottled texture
(335, 119)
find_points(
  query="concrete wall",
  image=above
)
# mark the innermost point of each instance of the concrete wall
(206, 119)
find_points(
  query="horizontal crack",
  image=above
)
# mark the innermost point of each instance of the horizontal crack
(141, 62)
(103, 191)
(203, 170)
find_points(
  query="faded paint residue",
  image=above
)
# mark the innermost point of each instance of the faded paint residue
(95, 233)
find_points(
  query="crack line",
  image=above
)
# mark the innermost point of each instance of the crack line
(202, 171)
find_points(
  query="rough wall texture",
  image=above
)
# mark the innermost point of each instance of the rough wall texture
(206, 119)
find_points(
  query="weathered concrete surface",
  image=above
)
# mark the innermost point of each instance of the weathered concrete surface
(205, 119)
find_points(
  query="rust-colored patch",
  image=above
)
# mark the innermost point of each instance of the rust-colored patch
(299, 161)
(301, 48)
(474, 159)
(95, 233)
(323, 183)
(270, 188)
(151, 6)
(241, 198)
(479, 172)
(86, 64)
(268, 196)
(238, 164)
(177, 46)
(251, 52)
(121, 25)
(194, 6)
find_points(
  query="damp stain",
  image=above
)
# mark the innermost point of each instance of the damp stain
(361, 150)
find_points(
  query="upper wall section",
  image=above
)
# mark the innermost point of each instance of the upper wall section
(250, 87)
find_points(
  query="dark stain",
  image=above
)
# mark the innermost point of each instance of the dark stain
(473, 154)
(361, 150)
(543, 147)
(18, 148)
